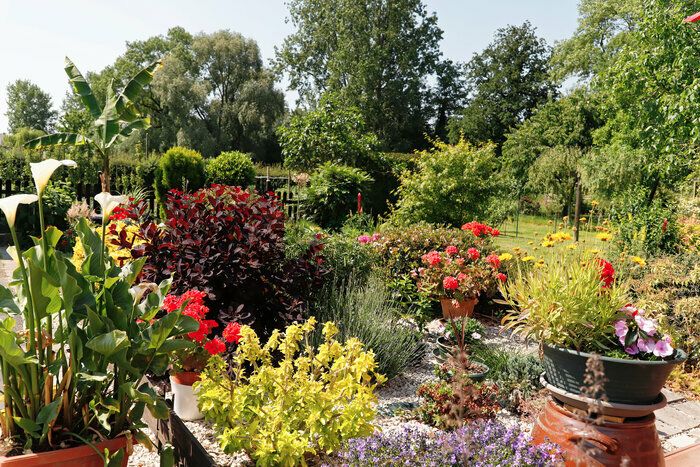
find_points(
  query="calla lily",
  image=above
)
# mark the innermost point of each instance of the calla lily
(108, 202)
(42, 171)
(9, 206)
(12, 251)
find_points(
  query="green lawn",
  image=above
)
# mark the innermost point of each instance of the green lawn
(531, 230)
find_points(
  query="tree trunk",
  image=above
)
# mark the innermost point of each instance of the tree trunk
(104, 176)
(577, 212)
(654, 189)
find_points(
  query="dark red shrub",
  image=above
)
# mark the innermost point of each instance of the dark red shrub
(229, 243)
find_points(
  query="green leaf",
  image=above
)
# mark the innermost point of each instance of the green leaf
(125, 102)
(109, 343)
(48, 414)
(108, 122)
(114, 460)
(57, 139)
(7, 301)
(176, 344)
(82, 89)
(10, 351)
(167, 456)
(161, 329)
(140, 124)
(29, 426)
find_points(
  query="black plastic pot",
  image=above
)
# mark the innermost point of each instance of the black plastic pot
(628, 381)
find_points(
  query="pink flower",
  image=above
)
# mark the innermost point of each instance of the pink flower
(450, 283)
(646, 325)
(459, 261)
(461, 276)
(621, 329)
(502, 277)
(646, 345)
(376, 236)
(432, 258)
(451, 250)
(364, 239)
(663, 347)
(494, 261)
(473, 254)
(632, 349)
(631, 311)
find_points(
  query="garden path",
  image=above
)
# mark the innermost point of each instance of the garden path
(6, 266)
(679, 422)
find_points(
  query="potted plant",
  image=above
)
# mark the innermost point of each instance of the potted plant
(575, 307)
(188, 362)
(456, 280)
(73, 390)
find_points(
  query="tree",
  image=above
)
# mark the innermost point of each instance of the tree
(116, 119)
(215, 96)
(330, 133)
(447, 97)
(556, 173)
(28, 107)
(375, 54)
(506, 82)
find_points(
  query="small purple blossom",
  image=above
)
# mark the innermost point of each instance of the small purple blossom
(632, 349)
(621, 329)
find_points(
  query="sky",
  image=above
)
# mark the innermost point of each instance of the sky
(36, 35)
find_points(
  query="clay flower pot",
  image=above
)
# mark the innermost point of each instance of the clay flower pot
(458, 310)
(628, 381)
(185, 404)
(84, 456)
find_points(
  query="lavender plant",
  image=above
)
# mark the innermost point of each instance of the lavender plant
(480, 444)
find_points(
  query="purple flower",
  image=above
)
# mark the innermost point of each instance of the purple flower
(646, 325)
(646, 345)
(632, 349)
(621, 329)
(663, 347)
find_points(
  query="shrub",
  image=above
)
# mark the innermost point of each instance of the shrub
(450, 404)
(58, 198)
(229, 243)
(332, 194)
(479, 444)
(179, 168)
(286, 400)
(366, 311)
(453, 184)
(231, 168)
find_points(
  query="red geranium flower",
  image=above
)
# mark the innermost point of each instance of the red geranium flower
(607, 273)
(502, 277)
(432, 258)
(232, 333)
(451, 250)
(450, 283)
(215, 346)
(473, 253)
(494, 261)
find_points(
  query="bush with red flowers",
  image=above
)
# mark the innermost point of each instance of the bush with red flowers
(195, 357)
(229, 244)
(481, 230)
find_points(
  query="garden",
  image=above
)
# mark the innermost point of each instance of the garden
(340, 288)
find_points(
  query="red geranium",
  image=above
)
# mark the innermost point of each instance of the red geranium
(215, 346)
(451, 250)
(450, 283)
(432, 258)
(473, 253)
(480, 230)
(607, 273)
(232, 333)
(494, 261)
(502, 277)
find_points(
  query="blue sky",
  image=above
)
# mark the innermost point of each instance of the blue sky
(35, 35)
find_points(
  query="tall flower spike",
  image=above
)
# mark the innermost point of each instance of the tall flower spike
(42, 171)
(108, 202)
(10, 204)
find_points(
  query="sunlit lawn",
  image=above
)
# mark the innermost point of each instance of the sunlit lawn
(532, 229)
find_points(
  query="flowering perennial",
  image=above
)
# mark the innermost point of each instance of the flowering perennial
(640, 335)
(481, 230)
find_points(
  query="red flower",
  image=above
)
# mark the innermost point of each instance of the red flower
(232, 333)
(664, 226)
(480, 230)
(450, 283)
(495, 232)
(451, 250)
(432, 259)
(607, 273)
(215, 346)
(494, 261)
(502, 277)
(473, 253)
(461, 276)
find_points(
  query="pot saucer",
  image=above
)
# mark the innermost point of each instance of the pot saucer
(612, 409)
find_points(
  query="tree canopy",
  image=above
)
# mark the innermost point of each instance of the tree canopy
(29, 107)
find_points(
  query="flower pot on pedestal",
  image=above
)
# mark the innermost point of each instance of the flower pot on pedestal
(185, 403)
(457, 309)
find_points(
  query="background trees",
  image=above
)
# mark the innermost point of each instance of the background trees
(29, 107)
(376, 55)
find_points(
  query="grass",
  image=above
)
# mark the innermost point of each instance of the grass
(532, 229)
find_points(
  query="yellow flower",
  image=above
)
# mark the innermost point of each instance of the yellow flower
(527, 259)
(547, 243)
(638, 260)
(505, 257)
(571, 246)
(583, 220)
(604, 236)
(540, 263)
(593, 251)
(594, 203)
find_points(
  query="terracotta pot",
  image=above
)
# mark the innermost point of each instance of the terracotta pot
(628, 381)
(463, 308)
(83, 456)
(185, 403)
(594, 445)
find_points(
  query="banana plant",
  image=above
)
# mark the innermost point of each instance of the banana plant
(74, 375)
(117, 118)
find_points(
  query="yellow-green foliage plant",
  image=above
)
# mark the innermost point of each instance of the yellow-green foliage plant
(286, 402)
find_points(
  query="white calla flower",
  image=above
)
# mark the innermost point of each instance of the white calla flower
(9, 206)
(42, 171)
(12, 251)
(108, 202)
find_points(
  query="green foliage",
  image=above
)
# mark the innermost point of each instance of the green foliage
(57, 199)
(332, 132)
(454, 184)
(364, 309)
(300, 402)
(507, 81)
(179, 168)
(450, 404)
(555, 173)
(231, 168)
(564, 303)
(381, 70)
(332, 193)
(28, 107)
(642, 229)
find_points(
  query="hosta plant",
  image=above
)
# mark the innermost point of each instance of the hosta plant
(73, 373)
(286, 401)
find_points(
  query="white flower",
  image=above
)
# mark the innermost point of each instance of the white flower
(12, 251)
(42, 171)
(9, 206)
(476, 336)
(108, 202)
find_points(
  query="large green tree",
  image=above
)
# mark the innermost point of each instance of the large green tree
(506, 83)
(375, 54)
(28, 107)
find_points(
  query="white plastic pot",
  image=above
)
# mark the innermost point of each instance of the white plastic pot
(185, 401)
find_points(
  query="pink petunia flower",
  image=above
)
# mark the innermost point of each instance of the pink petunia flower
(646, 325)
(646, 345)
(364, 239)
